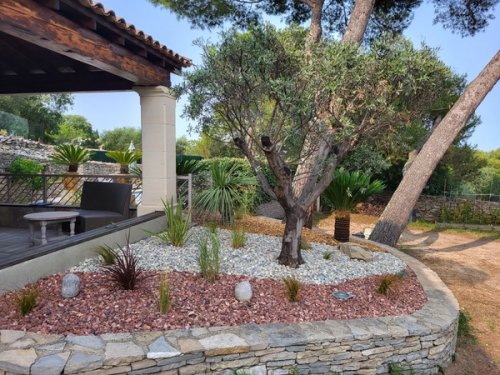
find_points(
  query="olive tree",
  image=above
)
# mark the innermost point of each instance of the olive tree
(269, 95)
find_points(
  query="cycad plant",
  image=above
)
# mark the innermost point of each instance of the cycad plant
(226, 192)
(124, 158)
(70, 155)
(346, 190)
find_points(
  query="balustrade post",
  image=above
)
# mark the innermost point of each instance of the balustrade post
(44, 187)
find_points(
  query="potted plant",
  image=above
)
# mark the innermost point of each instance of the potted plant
(125, 159)
(346, 190)
(72, 156)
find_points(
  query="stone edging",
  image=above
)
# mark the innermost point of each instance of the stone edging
(423, 341)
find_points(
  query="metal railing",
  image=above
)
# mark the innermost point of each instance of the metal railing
(57, 189)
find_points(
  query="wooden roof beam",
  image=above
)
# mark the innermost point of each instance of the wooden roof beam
(37, 24)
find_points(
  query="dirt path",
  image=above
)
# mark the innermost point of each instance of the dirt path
(470, 266)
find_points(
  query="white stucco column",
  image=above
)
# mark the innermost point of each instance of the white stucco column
(158, 147)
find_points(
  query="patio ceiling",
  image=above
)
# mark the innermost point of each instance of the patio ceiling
(76, 45)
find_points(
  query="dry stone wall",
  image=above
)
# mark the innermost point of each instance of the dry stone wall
(423, 342)
(12, 147)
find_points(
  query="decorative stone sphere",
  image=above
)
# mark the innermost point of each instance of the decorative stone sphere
(243, 291)
(70, 285)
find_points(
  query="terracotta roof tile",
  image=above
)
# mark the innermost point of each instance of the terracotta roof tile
(111, 17)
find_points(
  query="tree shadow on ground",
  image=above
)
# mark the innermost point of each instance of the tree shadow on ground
(469, 245)
(427, 238)
(472, 359)
(449, 269)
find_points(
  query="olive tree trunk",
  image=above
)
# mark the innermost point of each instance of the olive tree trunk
(290, 249)
(395, 216)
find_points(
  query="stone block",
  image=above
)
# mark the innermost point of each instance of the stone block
(247, 362)
(143, 364)
(8, 336)
(86, 342)
(117, 353)
(161, 349)
(24, 343)
(50, 364)
(17, 361)
(224, 343)
(123, 336)
(79, 362)
(189, 345)
(277, 356)
(194, 369)
(290, 362)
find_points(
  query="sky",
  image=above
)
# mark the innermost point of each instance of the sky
(466, 56)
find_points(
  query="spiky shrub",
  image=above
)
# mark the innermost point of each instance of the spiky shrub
(346, 190)
(327, 255)
(107, 254)
(238, 238)
(177, 231)
(226, 190)
(26, 300)
(124, 271)
(124, 158)
(388, 282)
(209, 256)
(164, 299)
(293, 287)
(70, 155)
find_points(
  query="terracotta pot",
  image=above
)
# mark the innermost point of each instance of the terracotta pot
(71, 180)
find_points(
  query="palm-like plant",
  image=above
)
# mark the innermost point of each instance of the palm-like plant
(124, 158)
(346, 190)
(70, 155)
(226, 192)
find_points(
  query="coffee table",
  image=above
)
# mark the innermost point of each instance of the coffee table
(51, 217)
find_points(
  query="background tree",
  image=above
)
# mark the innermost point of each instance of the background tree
(43, 113)
(119, 139)
(488, 180)
(76, 129)
(268, 95)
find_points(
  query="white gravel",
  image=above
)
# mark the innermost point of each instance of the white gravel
(257, 258)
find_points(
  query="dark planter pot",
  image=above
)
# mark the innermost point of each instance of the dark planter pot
(342, 228)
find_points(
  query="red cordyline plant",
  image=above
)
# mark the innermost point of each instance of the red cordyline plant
(124, 270)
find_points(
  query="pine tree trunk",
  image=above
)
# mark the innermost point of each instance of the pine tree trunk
(358, 21)
(394, 218)
(342, 226)
(290, 250)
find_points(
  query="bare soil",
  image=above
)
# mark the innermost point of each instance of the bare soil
(470, 267)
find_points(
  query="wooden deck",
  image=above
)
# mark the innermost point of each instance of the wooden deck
(16, 247)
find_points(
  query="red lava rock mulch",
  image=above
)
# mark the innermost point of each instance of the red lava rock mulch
(101, 307)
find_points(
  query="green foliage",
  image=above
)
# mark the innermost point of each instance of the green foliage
(71, 155)
(107, 253)
(185, 166)
(76, 129)
(209, 256)
(177, 231)
(164, 299)
(467, 212)
(327, 255)
(238, 238)
(20, 167)
(12, 124)
(225, 193)
(465, 328)
(124, 158)
(42, 113)
(397, 369)
(26, 300)
(292, 288)
(119, 139)
(294, 371)
(347, 189)
(124, 271)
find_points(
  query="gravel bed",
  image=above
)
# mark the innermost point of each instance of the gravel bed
(256, 259)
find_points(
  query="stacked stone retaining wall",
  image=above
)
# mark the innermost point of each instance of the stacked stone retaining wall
(422, 342)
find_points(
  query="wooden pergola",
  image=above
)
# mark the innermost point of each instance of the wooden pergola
(77, 45)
